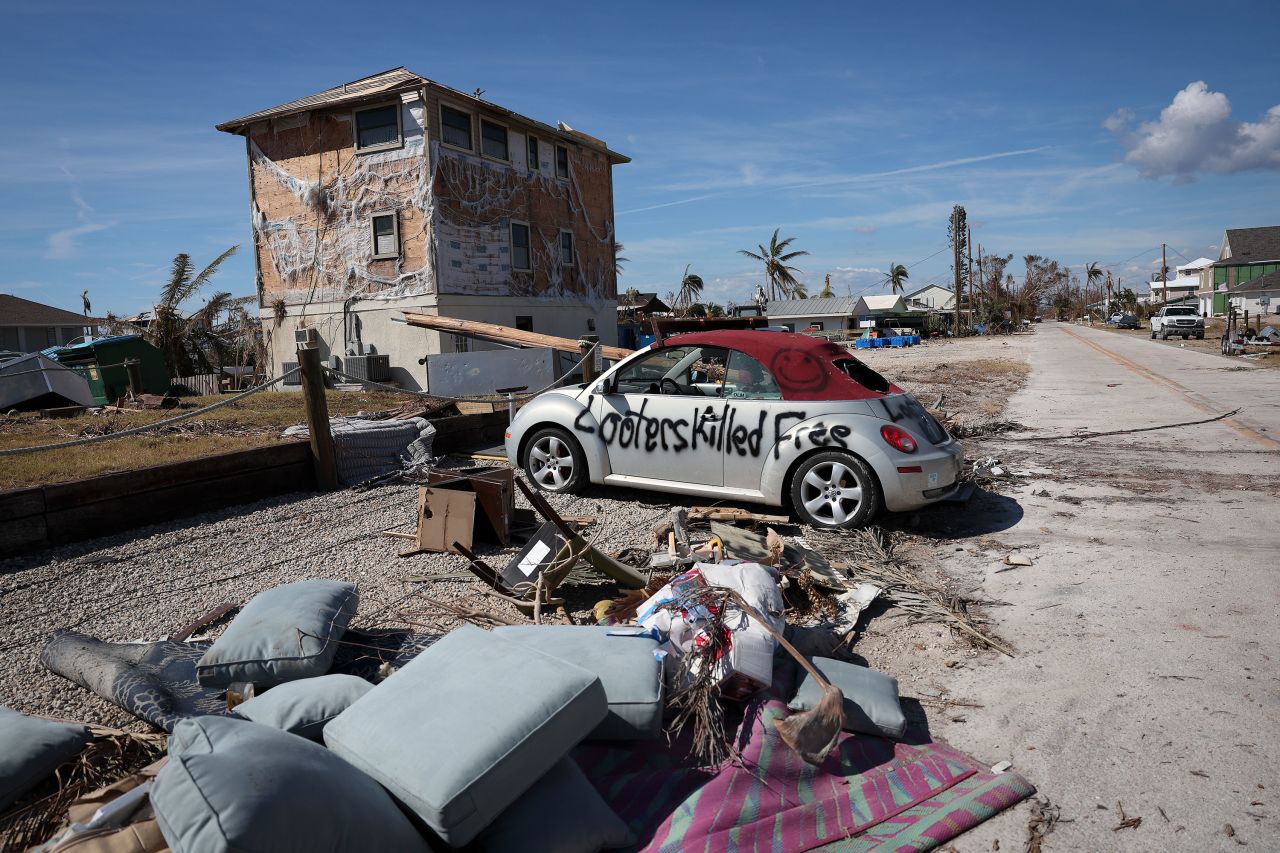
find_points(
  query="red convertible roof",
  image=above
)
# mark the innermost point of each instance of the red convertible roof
(804, 367)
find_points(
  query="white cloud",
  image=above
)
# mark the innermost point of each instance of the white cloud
(62, 244)
(1195, 134)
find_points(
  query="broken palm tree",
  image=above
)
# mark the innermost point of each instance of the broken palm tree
(870, 558)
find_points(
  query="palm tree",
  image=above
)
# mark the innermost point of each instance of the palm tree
(896, 278)
(1092, 273)
(777, 273)
(618, 260)
(826, 288)
(187, 342)
(690, 289)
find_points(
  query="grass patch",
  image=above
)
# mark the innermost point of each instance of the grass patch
(255, 421)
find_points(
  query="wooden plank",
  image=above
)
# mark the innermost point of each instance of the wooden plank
(467, 407)
(127, 510)
(21, 503)
(23, 534)
(505, 334)
(110, 487)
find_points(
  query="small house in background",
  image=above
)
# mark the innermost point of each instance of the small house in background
(27, 326)
(1247, 255)
(931, 297)
(394, 193)
(832, 314)
(1182, 287)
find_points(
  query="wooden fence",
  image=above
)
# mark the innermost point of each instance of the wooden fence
(43, 516)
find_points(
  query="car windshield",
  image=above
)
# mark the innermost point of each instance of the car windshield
(1181, 312)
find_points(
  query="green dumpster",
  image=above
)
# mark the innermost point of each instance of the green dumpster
(101, 362)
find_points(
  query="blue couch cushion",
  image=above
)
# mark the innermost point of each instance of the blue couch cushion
(465, 728)
(626, 665)
(561, 813)
(871, 704)
(303, 707)
(234, 785)
(31, 749)
(285, 633)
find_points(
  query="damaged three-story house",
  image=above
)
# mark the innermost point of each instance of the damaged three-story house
(395, 193)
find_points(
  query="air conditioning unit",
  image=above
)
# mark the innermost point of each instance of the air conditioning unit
(295, 379)
(305, 336)
(375, 368)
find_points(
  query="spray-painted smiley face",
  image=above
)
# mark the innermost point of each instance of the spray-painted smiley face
(797, 370)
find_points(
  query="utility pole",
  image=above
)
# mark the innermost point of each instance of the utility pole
(955, 266)
(1164, 276)
(982, 282)
(968, 245)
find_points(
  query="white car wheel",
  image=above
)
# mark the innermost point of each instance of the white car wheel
(834, 490)
(554, 462)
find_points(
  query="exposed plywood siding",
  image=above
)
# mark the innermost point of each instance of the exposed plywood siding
(314, 197)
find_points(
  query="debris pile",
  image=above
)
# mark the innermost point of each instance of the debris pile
(714, 669)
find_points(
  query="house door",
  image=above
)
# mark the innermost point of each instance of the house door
(662, 420)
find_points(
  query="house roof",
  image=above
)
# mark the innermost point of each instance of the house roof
(1270, 281)
(1196, 265)
(1251, 245)
(884, 302)
(923, 289)
(398, 80)
(15, 311)
(816, 307)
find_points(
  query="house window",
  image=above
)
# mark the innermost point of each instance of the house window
(524, 323)
(520, 259)
(50, 336)
(455, 127)
(378, 128)
(562, 162)
(493, 141)
(386, 236)
(534, 165)
(566, 248)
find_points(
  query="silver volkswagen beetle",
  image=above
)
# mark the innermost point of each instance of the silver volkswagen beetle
(776, 418)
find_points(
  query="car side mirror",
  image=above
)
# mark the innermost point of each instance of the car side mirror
(602, 387)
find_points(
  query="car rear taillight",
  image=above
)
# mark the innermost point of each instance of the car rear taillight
(898, 438)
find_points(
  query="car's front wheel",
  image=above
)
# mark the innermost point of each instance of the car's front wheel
(554, 461)
(834, 490)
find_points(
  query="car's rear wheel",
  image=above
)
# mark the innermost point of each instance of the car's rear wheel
(834, 490)
(554, 461)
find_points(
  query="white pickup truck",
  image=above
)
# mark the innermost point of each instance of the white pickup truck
(1174, 320)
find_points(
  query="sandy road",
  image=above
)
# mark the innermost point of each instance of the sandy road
(1147, 630)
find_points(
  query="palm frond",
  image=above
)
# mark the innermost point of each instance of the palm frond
(208, 272)
(179, 279)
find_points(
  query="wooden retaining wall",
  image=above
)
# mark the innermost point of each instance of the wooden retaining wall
(43, 516)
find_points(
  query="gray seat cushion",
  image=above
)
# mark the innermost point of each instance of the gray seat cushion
(465, 728)
(285, 633)
(31, 749)
(628, 670)
(303, 707)
(561, 813)
(235, 785)
(870, 698)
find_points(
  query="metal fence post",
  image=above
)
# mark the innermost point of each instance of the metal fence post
(318, 418)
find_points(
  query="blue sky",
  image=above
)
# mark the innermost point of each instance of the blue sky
(1076, 131)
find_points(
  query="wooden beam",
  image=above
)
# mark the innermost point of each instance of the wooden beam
(504, 334)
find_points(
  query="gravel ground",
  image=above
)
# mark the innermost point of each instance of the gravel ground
(149, 582)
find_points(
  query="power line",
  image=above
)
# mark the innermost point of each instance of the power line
(934, 255)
